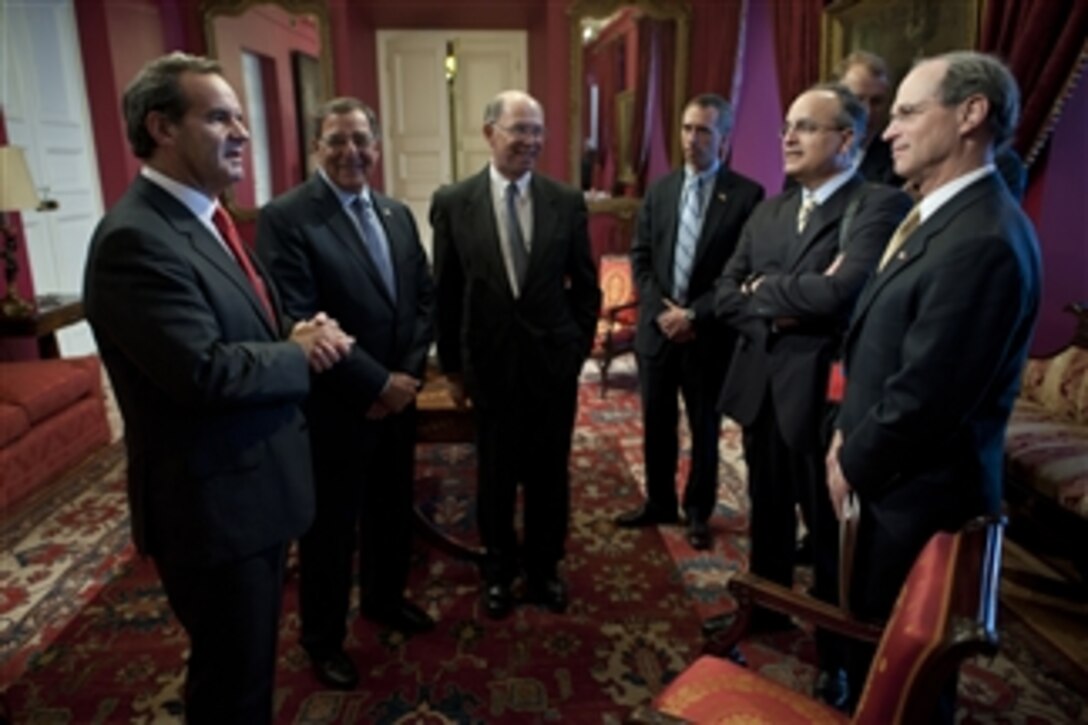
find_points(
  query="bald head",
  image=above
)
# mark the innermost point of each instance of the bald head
(514, 129)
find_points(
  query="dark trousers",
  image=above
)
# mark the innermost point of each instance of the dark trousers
(779, 475)
(231, 613)
(364, 501)
(525, 439)
(686, 370)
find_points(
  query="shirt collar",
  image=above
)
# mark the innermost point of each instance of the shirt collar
(500, 182)
(345, 197)
(194, 200)
(705, 176)
(944, 193)
(824, 191)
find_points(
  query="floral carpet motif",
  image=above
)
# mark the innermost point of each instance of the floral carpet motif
(637, 597)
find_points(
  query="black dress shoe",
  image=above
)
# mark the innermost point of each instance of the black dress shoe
(647, 515)
(335, 670)
(698, 534)
(549, 592)
(498, 601)
(403, 616)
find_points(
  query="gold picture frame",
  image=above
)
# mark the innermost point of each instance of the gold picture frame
(900, 31)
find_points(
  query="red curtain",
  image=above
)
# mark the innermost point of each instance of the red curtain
(715, 36)
(797, 46)
(1044, 44)
(651, 125)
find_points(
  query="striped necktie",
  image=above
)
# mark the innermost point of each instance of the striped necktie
(804, 213)
(375, 241)
(687, 236)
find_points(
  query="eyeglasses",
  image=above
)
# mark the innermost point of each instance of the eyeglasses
(805, 127)
(338, 140)
(523, 130)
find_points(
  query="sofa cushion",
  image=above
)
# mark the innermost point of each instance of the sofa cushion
(1059, 383)
(44, 387)
(13, 423)
(1050, 454)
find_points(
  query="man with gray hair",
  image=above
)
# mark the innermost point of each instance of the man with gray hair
(210, 374)
(940, 334)
(517, 307)
(788, 291)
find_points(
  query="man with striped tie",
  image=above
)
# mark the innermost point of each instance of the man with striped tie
(687, 228)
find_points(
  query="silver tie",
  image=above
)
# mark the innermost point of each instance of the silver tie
(687, 236)
(375, 241)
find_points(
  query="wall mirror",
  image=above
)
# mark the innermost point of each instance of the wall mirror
(629, 81)
(278, 57)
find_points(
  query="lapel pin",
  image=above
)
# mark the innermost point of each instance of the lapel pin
(902, 255)
(386, 211)
(721, 196)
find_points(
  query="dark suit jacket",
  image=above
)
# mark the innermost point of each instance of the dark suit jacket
(731, 201)
(933, 361)
(497, 341)
(319, 263)
(877, 164)
(218, 455)
(793, 362)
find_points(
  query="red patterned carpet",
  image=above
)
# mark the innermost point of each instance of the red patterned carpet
(636, 601)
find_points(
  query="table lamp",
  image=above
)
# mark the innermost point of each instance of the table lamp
(16, 194)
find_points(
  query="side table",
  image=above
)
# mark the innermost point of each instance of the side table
(51, 313)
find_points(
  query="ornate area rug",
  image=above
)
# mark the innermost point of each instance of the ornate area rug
(637, 598)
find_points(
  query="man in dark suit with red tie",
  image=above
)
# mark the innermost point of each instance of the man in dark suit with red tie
(788, 291)
(189, 328)
(517, 308)
(688, 227)
(335, 244)
(940, 334)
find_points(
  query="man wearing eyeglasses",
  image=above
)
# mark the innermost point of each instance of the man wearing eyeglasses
(788, 291)
(333, 243)
(688, 226)
(517, 307)
(938, 341)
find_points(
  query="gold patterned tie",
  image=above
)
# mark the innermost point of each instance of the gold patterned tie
(804, 212)
(904, 230)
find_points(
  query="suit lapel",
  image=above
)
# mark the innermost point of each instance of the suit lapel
(917, 244)
(669, 212)
(825, 215)
(204, 243)
(716, 207)
(481, 214)
(331, 213)
(544, 221)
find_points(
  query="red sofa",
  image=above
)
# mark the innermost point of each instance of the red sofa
(52, 416)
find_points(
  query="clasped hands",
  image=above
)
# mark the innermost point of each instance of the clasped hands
(674, 323)
(322, 340)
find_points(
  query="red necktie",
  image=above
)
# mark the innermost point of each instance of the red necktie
(222, 221)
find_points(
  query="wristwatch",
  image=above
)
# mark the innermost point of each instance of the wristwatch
(689, 315)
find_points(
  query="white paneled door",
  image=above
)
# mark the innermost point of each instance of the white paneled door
(433, 87)
(45, 108)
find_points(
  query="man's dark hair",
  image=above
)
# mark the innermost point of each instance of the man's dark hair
(340, 106)
(713, 100)
(157, 87)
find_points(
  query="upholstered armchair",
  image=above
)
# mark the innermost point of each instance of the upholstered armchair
(619, 313)
(946, 612)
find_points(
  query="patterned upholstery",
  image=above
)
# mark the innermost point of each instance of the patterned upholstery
(1047, 441)
(619, 313)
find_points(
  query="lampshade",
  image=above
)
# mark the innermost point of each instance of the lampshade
(17, 191)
